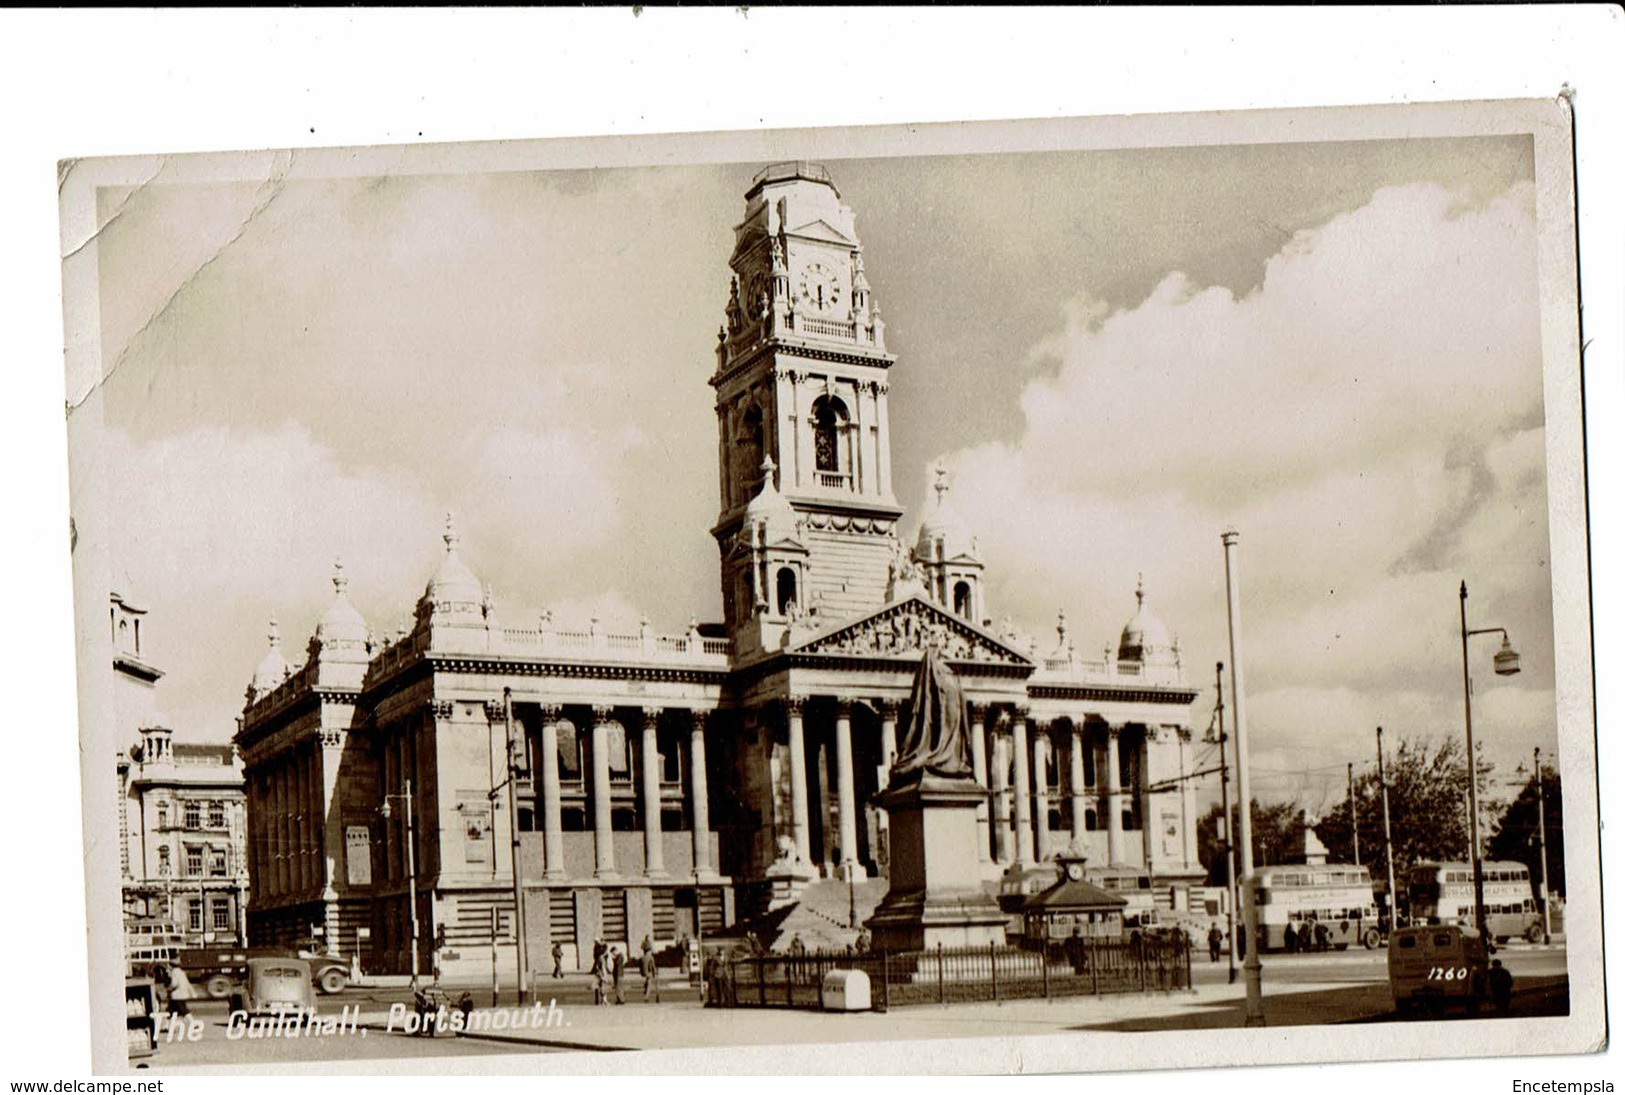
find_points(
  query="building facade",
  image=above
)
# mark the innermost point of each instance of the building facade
(666, 783)
(181, 808)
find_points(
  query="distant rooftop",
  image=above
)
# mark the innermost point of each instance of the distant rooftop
(787, 171)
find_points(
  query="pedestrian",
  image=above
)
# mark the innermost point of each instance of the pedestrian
(1290, 941)
(647, 946)
(651, 974)
(1500, 986)
(180, 990)
(558, 960)
(617, 965)
(598, 976)
(1215, 938)
(1323, 937)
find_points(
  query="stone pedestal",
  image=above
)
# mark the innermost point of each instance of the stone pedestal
(787, 877)
(936, 894)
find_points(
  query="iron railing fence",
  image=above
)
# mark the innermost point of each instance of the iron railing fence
(945, 975)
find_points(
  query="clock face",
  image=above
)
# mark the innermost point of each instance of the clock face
(819, 289)
(1074, 871)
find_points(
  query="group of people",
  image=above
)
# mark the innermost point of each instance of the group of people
(1311, 935)
(609, 966)
(175, 989)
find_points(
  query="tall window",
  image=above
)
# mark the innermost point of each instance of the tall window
(163, 816)
(194, 860)
(217, 863)
(786, 589)
(620, 760)
(751, 442)
(217, 815)
(962, 605)
(194, 815)
(164, 866)
(1089, 776)
(194, 915)
(569, 753)
(221, 916)
(828, 416)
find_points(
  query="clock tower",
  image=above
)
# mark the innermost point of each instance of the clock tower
(802, 420)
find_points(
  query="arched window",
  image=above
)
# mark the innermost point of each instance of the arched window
(828, 418)
(786, 587)
(962, 605)
(569, 752)
(1089, 776)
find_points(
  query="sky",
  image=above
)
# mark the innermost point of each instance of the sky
(1333, 347)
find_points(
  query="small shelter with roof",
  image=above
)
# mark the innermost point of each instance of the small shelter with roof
(1073, 907)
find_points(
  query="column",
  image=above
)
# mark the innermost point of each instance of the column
(1041, 751)
(888, 738)
(699, 799)
(1024, 806)
(552, 812)
(654, 851)
(845, 787)
(1074, 778)
(798, 779)
(1110, 799)
(978, 760)
(1001, 801)
(603, 827)
(884, 442)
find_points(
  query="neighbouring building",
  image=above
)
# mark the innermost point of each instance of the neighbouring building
(669, 782)
(181, 807)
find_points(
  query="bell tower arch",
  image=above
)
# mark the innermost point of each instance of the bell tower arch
(802, 380)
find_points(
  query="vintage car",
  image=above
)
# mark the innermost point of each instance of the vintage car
(275, 985)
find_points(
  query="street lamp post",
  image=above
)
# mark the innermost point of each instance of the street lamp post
(1252, 967)
(1545, 880)
(411, 870)
(1506, 664)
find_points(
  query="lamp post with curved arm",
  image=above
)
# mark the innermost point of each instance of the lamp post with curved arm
(411, 870)
(1506, 664)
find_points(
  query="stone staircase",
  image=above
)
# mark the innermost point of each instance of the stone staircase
(820, 918)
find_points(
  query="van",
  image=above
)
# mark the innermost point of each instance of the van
(1434, 965)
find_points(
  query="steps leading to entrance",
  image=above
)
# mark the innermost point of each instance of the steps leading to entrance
(820, 918)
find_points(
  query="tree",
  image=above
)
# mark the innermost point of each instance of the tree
(1427, 793)
(1277, 836)
(1517, 834)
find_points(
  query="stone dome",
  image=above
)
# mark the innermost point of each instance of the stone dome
(341, 623)
(453, 585)
(273, 668)
(944, 524)
(1145, 638)
(770, 509)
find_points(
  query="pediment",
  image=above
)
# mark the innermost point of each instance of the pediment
(823, 231)
(905, 628)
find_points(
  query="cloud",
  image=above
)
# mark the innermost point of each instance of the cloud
(1370, 417)
(224, 528)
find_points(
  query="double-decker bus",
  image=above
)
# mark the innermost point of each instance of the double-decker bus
(1304, 897)
(1442, 893)
(1133, 885)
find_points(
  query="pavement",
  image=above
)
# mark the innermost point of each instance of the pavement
(1298, 990)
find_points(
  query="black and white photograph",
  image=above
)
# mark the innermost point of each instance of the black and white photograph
(814, 589)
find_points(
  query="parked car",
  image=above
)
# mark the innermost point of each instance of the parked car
(274, 985)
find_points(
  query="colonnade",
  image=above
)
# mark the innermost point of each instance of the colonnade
(601, 794)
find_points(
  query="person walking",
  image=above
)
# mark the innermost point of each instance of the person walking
(558, 960)
(651, 974)
(1215, 939)
(180, 991)
(617, 965)
(1291, 939)
(598, 995)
